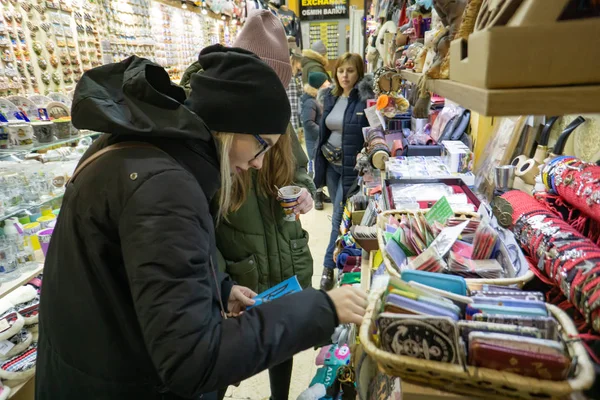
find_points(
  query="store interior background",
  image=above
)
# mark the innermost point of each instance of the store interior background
(351, 36)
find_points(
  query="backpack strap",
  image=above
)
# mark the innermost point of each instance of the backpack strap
(132, 145)
(107, 149)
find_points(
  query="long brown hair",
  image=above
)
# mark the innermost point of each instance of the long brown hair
(278, 170)
(356, 61)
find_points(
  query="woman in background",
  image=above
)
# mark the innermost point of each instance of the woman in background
(340, 140)
(294, 89)
(312, 112)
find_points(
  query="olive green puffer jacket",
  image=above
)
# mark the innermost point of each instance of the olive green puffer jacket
(256, 246)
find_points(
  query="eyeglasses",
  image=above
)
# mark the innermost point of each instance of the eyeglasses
(263, 144)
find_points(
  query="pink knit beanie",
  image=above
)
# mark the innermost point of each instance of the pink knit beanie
(263, 35)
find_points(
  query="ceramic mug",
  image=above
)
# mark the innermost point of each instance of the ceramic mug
(288, 199)
(4, 136)
(63, 128)
(46, 220)
(21, 134)
(44, 131)
(44, 237)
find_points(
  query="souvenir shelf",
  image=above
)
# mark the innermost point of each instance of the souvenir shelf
(20, 153)
(560, 100)
(178, 34)
(47, 46)
(128, 28)
(26, 208)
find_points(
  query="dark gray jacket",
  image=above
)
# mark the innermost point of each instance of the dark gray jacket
(130, 305)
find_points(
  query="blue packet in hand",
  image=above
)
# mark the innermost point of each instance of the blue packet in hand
(284, 288)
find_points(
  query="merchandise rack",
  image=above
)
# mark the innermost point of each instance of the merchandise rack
(45, 146)
(19, 154)
(27, 208)
(6, 288)
(559, 100)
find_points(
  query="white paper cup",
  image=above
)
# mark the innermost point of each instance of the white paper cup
(288, 199)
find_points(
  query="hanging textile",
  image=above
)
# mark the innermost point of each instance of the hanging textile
(561, 253)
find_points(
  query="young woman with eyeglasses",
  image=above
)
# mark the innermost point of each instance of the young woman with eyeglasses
(133, 306)
(256, 246)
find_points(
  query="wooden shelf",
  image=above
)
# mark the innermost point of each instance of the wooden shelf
(17, 393)
(559, 100)
(7, 287)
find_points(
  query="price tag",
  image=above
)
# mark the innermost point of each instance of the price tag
(4, 325)
(441, 212)
(5, 346)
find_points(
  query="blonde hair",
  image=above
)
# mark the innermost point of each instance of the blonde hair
(356, 61)
(278, 170)
(296, 61)
(224, 141)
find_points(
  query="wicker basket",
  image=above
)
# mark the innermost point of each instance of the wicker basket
(472, 283)
(480, 382)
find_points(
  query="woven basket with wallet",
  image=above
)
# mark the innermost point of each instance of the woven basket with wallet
(533, 353)
(504, 273)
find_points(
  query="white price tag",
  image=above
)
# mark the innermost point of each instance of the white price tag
(5, 346)
(372, 117)
(4, 325)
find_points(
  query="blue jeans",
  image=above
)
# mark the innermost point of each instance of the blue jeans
(311, 146)
(334, 185)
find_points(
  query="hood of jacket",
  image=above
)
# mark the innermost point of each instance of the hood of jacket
(364, 89)
(310, 91)
(187, 77)
(309, 55)
(135, 97)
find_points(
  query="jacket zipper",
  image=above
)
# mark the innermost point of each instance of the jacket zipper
(343, 126)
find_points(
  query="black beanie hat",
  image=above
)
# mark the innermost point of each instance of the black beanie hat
(238, 93)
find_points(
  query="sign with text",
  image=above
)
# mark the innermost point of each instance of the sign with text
(323, 9)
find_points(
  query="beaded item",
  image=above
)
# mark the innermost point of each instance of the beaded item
(560, 252)
(576, 182)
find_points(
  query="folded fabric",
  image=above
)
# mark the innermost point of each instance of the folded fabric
(20, 367)
(33, 328)
(11, 321)
(27, 302)
(16, 344)
(345, 253)
(21, 294)
(352, 264)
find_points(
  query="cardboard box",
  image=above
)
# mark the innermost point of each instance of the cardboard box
(459, 159)
(551, 54)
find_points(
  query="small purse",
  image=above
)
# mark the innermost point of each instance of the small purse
(332, 154)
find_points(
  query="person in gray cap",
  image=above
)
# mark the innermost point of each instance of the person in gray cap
(314, 60)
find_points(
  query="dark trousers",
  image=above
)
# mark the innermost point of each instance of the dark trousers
(280, 377)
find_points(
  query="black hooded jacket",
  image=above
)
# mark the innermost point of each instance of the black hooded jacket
(129, 308)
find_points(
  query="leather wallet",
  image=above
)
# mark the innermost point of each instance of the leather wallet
(499, 301)
(475, 308)
(525, 363)
(425, 337)
(420, 307)
(449, 283)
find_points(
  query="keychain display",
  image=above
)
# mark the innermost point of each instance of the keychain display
(178, 35)
(45, 46)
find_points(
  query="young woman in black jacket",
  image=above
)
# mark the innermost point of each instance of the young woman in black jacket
(340, 140)
(132, 306)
